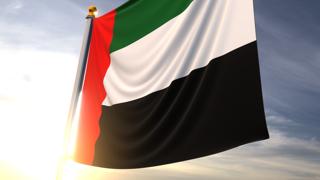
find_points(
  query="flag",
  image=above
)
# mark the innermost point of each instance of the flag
(168, 81)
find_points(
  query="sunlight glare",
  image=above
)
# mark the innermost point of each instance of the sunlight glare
(34, 99)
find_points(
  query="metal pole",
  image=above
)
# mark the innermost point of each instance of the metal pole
(77, 88)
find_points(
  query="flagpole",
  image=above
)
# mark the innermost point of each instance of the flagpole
(92, 10)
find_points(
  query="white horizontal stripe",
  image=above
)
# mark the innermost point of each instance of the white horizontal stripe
(205, 30)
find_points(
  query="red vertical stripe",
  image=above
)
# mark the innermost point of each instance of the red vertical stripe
(93, 92)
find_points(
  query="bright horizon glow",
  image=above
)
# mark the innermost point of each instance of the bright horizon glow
(34, 97)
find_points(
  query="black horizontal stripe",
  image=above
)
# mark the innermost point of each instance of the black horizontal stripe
(213, 109)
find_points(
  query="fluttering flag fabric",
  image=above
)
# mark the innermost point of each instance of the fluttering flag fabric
(168, 81)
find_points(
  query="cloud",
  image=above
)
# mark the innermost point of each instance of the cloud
(42, 25)
(290, 66)
(13, 7)
(279, 120)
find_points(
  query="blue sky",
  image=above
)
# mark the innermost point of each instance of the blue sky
(39, 45)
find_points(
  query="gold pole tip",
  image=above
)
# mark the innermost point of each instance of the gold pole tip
(92, 11)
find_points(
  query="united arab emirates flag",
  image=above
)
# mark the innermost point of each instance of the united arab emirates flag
(170, 80)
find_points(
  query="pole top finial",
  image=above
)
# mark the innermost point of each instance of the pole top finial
(92, 11)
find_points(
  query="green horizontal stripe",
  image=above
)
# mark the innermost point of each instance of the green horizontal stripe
(137, 18)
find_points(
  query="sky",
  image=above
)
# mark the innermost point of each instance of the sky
(40, 43)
